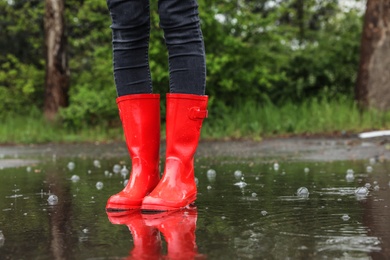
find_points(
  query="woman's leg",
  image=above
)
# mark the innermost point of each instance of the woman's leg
(186, 105)
(130, 40)
(183, 36)
(139, 109)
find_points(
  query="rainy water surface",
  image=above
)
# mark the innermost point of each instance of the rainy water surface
(246, 209)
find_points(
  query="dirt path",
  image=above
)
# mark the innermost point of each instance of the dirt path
(298, 149)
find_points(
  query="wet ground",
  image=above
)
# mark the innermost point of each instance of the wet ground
(276, 199)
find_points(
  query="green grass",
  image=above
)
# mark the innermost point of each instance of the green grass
(22, 129)
(249, 120)
(254, 121)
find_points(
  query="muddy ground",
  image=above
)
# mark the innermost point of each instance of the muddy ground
(295, 149)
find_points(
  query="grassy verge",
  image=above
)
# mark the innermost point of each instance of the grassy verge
(249, 120)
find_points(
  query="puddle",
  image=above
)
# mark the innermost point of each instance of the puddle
(246, 209)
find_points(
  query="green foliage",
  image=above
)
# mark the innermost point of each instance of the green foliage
(259, 52)
(20, 85)
(248, 120)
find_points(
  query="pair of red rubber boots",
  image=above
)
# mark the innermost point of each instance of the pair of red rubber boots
(140, 116)
(178, 228)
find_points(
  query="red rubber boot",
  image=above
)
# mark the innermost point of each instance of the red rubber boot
(140, 115)
(178, 228)
(177, 188)
(146, 239)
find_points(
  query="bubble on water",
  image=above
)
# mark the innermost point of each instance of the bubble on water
(263, 212)
(196, 181)
(350, 176)
(345, 217)
(361, 191)
(254, 194)
(106, 173)
(2, 238)
(211, 175)
(85, 230)
(116, 168)
(257, 178)
(367, 185)
(223, 217)
(99, 185)
(124, 172)
(369, 169)
(71, 166)
(241, 184)
(75, 178)
(96, 163)
(89, 171)
(28, 169)
(52, 200)
(372, 160)
(303, 192)
(276, 166)
(125, 182)
(209, 187)
(375, 182)
(306, 170)
(376, 188)
(238, 174)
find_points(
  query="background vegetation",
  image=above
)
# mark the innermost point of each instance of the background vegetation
(275, 56)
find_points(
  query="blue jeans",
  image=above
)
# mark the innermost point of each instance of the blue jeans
(183, 37)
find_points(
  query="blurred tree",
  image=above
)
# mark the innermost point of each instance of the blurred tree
(57, 69)
(373, 83)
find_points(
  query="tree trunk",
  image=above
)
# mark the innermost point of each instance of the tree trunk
(57, 71)
(373, 83)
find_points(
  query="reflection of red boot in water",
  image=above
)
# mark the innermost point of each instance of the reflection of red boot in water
(147, 240)
(178, 229)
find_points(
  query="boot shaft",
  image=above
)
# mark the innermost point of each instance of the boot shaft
(140, 116)
(185, 114)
